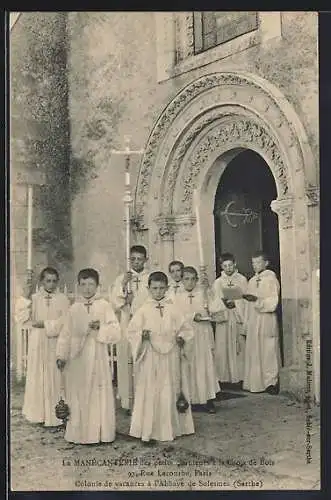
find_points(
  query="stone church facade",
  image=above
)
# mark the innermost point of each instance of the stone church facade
(193, 90)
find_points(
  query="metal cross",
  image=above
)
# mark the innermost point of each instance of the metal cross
(127, 151)
(176, 287)
(136, 280)
(48, 298)
(191, 297)
(258, 279)
(160, 307)
(88, 305)
(230, 284)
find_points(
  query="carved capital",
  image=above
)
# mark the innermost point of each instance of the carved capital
(166, 228)
(184, 224)
(283, 207)
(138, 224)
(313, 195)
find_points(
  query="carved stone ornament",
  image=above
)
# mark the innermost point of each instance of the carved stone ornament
(283, 207)
(313, 195)
(244, 131)
(166, 227)
(177, 105)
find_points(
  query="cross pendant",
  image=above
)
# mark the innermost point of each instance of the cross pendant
(88, 305)
(48, 299)
(137, 281)
(176, 288)
(230, 284)
(258, 279)
(160, 308)
(190, 297)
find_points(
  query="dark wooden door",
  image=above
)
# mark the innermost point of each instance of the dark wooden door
(238, 223)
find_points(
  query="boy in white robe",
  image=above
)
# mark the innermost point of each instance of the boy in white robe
(43, 313)
(129, 292)
(82, 350)
(229, 334)
(175, 269)
(262, 342)
(202, 374)
(160, 339)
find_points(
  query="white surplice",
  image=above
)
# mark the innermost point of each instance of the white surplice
(174, 289)
(262, 341)
(43, 381)
(202, 374)
(89, 389)
(157, 372)
(229, 335)
(139, 287)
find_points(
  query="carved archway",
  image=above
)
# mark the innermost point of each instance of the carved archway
(213, 117)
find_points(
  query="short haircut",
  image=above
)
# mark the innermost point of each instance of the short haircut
(191, 270)
(49, 270)
(158, 276)
(138, 249)
(260, 253)
(89, 272)
(176, 263)
(227, 256)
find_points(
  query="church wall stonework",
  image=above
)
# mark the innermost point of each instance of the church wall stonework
(114, 92)
(39, 141)
(264, 97)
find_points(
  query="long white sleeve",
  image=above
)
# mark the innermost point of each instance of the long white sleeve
(110, 331)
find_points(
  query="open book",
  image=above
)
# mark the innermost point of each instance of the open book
(232, 293)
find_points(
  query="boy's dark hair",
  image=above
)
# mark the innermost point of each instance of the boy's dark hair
(49, 270)
(158, 276)
(139, 249)
(89, 272)
(191, 270)
(227, 256)
(260, 253)
(176, 263)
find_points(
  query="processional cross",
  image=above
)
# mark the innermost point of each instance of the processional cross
(127, 152)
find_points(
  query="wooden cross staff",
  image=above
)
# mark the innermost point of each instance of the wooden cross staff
(128, 196)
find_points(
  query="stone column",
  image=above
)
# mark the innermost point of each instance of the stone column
(284, 208)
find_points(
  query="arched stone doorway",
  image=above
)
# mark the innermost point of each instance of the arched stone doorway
(243, 219)
(214, 118)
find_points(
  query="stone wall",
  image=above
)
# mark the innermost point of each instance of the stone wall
(39, 141)
(114, 92)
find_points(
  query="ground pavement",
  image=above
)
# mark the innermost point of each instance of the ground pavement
(253, 442)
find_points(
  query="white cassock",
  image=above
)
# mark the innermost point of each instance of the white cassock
(229, 335)
(43, 380)
(174, 289)
(89, 389)
(262, 341)
(202, 374)
(139, 286)
(157, 372)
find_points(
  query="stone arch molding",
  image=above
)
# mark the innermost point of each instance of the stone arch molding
(211, 115)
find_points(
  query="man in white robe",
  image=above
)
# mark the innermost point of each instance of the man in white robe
(126, 302)
(229, 335)
(43, 314)
(82, 351)
(160, 339)
(262, 357)
(175, 269)
(202, 374)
